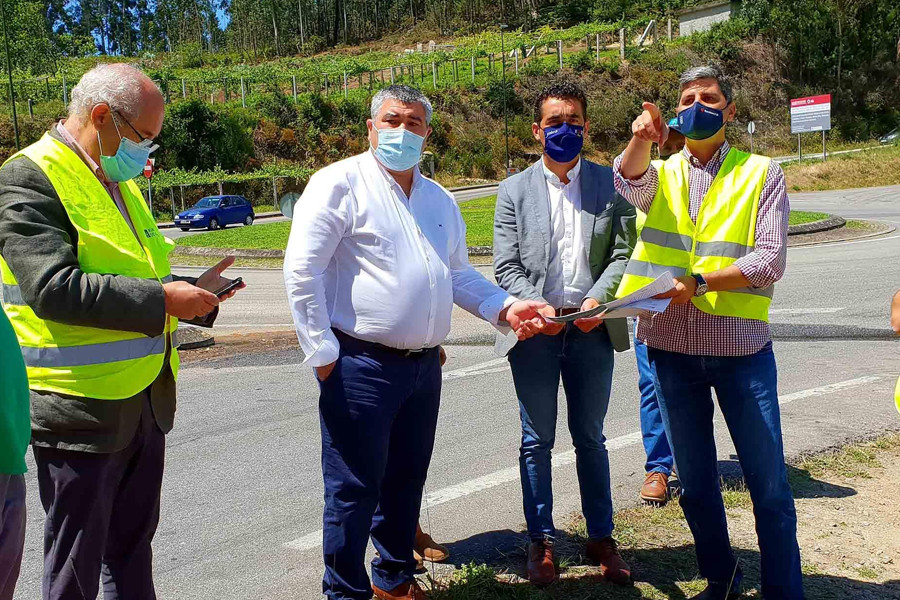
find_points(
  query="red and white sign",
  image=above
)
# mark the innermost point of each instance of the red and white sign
(148, 168)
(811, 114)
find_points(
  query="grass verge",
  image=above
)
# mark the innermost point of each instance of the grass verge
(870, 168)
(477, 214)
(847, 529)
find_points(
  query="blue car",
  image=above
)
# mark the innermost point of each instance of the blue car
(214, 212)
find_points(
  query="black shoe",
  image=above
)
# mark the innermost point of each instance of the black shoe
(717, 592)
(723, 591)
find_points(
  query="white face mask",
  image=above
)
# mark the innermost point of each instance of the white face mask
(398, 149)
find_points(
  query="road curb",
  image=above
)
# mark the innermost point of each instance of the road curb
(832, 222)
(850, 238)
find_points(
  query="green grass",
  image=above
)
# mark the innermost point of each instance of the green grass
(798, 217)
(477, 214)
(266, 236)
(479, 218)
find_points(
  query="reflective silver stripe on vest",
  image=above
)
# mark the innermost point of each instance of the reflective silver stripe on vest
(12, 294)
(175, 339)
(726, 249)
(94, 354)
(643, 268)
(768, 292)
(666, 239)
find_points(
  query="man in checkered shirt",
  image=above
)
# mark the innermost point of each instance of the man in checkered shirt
(693, 351)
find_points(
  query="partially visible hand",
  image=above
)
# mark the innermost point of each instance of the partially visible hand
(551, 328)
(323, 372)
(186, 301)
(213, 280)
(443, 355)
(523, 317)
(683, 291)
(649, 127)
(588, 325)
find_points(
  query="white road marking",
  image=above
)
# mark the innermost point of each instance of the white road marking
(511, 474)
(805, 311)
(828, 389)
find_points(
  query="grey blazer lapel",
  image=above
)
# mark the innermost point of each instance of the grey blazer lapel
(590, 203)
(539, 197)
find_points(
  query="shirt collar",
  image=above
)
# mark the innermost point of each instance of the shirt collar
(573, 173)
(73, 144)
(714, 163)
(417, 174)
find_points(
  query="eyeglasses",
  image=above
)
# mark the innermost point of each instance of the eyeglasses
(127, 122)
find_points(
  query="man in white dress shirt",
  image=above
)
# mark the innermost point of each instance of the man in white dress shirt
(376, 259)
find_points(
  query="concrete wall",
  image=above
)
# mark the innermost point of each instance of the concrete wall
(703, 20)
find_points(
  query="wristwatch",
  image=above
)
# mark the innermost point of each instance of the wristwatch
(702, 287)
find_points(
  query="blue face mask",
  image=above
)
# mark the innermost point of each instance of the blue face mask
(128, 161)
(699, 122)
(563, 143)
(398, 149)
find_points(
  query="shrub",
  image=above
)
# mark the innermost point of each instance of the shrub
(196, 136)
(580, 61)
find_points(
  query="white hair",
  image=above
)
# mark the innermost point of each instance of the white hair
(119, 85)
(406, 95)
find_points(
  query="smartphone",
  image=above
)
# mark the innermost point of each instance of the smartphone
(231, 286)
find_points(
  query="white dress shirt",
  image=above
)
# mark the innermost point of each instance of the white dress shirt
(569, 273)
(364, 258)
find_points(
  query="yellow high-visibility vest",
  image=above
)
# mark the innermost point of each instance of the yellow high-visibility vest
(87, 361)
(725, 231)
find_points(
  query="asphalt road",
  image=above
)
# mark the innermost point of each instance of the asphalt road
(242, 498)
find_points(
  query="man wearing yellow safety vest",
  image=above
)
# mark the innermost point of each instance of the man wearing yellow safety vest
(717, 222)
(87, 286)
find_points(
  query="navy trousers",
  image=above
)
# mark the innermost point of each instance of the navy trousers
(102, 512)
(378, 412)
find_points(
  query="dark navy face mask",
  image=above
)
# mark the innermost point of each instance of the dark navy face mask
(563, 143)
(699, 122)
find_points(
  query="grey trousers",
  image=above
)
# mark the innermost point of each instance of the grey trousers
(12, 531)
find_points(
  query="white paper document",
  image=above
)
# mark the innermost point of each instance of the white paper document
(636, 304)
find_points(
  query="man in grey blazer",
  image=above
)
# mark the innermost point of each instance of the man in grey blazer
(563, 236)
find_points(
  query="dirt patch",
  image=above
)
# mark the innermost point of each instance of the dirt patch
(848, 529)
(239, 344)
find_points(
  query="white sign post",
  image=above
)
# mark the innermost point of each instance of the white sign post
(751, 129)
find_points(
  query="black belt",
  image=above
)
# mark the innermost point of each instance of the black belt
(354, 341)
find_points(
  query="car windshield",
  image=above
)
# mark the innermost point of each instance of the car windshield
(207, 203)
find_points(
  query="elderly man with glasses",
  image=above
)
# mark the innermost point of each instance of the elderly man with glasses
(90, 294)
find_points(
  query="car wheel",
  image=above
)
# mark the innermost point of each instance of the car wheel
(185, 228)
(213, 224)
(248, 220)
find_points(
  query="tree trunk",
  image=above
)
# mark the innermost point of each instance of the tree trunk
(840, 51)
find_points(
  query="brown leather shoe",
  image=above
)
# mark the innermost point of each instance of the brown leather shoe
(541, 566)
(427, 549)
(407, 591)
(655, 488)
(605, 553)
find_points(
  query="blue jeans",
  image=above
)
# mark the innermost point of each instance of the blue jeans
(653, 432)
(747, 391)
(378, 413)
(584, 361)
